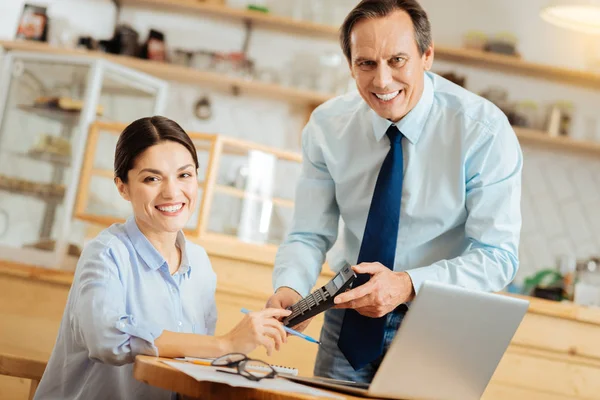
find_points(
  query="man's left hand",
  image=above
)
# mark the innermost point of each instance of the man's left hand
(385, 291)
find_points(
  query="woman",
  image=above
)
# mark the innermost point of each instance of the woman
(141, 287)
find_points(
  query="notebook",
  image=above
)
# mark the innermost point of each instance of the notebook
(278, 368)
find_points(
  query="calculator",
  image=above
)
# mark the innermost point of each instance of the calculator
(321, 299)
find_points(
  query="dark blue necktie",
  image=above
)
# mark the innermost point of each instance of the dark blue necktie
(361, 338)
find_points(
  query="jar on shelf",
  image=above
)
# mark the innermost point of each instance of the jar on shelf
(502, 43)
(587, 283)
(498, 96)
(560, 115)
(203, 60)
(527, 115)
(475, 40)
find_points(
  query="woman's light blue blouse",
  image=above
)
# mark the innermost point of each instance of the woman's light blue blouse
(121, 300)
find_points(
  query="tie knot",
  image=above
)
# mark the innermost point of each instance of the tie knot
(394, 134)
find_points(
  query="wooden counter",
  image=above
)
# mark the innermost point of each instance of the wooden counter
(555, 353)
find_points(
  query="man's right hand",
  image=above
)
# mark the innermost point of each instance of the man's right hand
(285, 297)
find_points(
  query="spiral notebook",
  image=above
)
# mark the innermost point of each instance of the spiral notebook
(278, 368)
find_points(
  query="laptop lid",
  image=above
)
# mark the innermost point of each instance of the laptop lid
(448, 345)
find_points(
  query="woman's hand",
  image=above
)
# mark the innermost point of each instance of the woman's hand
(256, 329)
(285, 297)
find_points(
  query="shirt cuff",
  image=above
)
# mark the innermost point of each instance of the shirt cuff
(420, 275)
(290, 278)
(142, 335)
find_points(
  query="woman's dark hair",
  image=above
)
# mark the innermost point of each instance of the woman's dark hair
(144, 133)
(369, 9)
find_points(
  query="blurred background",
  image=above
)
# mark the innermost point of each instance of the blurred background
(242, 78)
(254, 70)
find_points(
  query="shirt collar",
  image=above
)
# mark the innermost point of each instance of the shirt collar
(153, 259)
(184, 267)
(412, 123)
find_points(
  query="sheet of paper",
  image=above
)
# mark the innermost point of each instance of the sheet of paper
(204, 373)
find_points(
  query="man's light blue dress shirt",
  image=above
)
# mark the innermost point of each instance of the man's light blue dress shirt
(121, 300)
(460, 216)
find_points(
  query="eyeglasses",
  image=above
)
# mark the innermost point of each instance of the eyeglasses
(249, 368)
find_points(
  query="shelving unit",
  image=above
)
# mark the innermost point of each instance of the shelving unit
(26, 129)
(488, 60)
(62, 116)
(182, 74)
(178, 73)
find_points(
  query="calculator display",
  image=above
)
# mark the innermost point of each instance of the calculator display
(338, 281)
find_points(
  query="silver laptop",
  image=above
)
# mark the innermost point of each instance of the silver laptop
(447, 348)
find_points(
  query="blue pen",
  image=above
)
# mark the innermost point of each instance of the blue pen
(291, 331)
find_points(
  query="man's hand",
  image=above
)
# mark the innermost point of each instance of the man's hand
(385, 291)
(283, 298)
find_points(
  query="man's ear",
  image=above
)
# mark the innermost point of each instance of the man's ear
(123, 189)
(428, 57)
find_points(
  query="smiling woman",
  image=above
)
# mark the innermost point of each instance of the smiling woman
(155, 170)
(141, 287)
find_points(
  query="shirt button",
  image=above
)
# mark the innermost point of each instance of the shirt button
(121, 325)
(173, 290)
(180, 323)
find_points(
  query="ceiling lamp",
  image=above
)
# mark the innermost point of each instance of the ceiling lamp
(582, 17)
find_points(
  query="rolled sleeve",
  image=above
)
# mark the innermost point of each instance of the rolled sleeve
(141, 337)
(493, 225)
(99, 320)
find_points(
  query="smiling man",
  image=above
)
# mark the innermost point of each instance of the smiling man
(425, 175)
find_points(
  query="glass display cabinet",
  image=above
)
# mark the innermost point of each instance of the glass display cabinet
(244, 206)
(47, 103)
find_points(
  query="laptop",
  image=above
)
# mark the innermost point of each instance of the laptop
(447, 347)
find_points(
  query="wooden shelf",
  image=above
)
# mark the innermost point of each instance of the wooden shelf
(256, 17)
(62, 116)
(515, 65)
(183, 74)
(41, 191)
(63, 161)
(494, 61)
(541, 138)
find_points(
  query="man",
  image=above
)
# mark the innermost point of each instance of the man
(425, 175)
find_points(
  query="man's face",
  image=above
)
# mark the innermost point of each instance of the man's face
(386, 64)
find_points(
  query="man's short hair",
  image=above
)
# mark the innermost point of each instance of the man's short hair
(368, 9)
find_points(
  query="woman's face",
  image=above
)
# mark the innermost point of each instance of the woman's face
(162, 187)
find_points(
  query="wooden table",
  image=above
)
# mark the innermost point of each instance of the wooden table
(152, 371)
